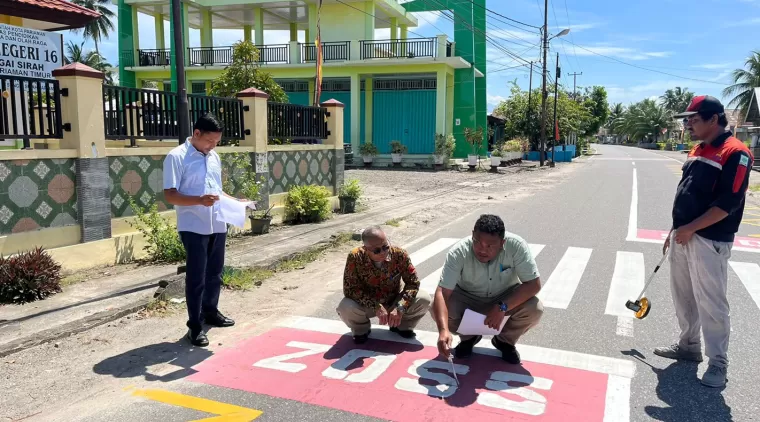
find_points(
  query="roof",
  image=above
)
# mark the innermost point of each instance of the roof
(753, 114)
(734, 117)
(62, 13)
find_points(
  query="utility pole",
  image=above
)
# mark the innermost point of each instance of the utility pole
(574, 75)
(556, 92)
(530, 90)
(544, 94)
(183, 117)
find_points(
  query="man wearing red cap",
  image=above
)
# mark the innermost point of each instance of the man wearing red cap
(707, 211)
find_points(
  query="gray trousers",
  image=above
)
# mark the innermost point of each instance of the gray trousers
(357, 317)
(698, 282)
(521, 319)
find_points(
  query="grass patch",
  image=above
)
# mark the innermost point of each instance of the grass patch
(160, 307)
(72, 279)
(394, 222)
(247, 278)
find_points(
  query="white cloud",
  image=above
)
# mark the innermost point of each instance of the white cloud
(714, 66)
(574, 28)
(494, 100)
(634, 93)
(620, 52)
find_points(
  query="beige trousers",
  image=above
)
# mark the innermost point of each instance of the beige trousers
(698, 283)
(357, 317)
(521, 319)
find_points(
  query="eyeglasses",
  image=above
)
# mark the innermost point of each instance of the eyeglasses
(384, 248)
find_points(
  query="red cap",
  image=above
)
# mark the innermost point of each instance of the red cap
(703, 104)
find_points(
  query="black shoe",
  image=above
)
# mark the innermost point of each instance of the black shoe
(218, 320)
(403, 333)
(361, 339)
(508, 352)
(464, 349)
(197, 338)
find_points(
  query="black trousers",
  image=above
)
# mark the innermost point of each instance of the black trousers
(203, 280)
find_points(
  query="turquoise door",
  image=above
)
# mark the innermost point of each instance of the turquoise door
(405, 116)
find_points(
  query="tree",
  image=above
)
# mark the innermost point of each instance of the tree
(643, 120)
(595, 102)
(677, 100)
(76, 54)
(99, 28)
(745, 81)
(244, 72)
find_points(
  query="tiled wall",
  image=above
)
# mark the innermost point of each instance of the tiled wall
(141, 177)
(36, 194)
(293, 168)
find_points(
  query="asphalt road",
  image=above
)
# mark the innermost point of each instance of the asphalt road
(587, 359)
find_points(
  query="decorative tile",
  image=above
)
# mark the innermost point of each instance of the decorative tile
(25, 224)
(156, 180)
(23, 191)
(4, 172)
(44, 209)
(63, 219)
(146, 199)
(300, 168)
(61, 188)
(144, 165)
(117, 201)
(116, 166)
(131, 182)
(41, 170)
(5, 214)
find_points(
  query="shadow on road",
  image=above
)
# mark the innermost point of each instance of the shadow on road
(688, 400)
(138, 362)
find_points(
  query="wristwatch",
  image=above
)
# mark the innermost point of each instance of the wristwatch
(503, 306)
(401, 308)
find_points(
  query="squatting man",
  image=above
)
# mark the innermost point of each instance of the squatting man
(491, 272)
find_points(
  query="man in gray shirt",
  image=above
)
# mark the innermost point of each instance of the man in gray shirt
(493, 273)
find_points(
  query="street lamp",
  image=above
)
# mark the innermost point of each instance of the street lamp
(544, 93)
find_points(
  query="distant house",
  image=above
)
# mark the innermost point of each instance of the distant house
(751, 123)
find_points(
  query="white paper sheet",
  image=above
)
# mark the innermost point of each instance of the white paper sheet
(473, 323)
(232, 211)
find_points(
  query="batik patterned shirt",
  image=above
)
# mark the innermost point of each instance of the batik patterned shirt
(371, 286)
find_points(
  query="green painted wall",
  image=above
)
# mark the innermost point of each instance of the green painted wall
(406, 116)
(126, 45)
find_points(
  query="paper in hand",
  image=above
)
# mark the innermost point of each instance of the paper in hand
(473, 323)
(232, 211)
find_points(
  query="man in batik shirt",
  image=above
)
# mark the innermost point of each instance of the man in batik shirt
(372, 288)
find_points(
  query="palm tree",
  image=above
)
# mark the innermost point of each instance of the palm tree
(644, 119)
(100, 27)
(745, 81)
(616, 113)
(75, 54)
(677, 100)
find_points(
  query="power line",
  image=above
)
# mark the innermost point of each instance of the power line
(644, 68)
(575, 53)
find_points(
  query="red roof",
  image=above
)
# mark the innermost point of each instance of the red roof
(61, 12)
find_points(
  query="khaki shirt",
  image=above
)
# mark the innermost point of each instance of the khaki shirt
(514, 265)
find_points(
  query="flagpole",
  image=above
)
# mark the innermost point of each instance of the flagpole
(556, 94)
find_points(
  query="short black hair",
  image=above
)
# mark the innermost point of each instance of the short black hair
(208, 123)
(490, 224)
(722, 119)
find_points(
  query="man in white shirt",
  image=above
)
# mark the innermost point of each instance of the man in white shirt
(192, 183)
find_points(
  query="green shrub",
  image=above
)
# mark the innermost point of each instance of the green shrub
(444, 145)
(398, 148)
(351, 189)
(368, 150)
(29, 276)
(308, 204)
(162, 242)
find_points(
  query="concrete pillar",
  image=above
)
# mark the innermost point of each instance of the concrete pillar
(440, 102)
(368, 112)
(135, 32)
(369, 20)
(449, 103)
(294, 32)
(160, 40)
(295, 52)
(394, 29)
(258, 25)
(441, 41)
(335, 139)
(307, 37)
(247, 32)
(82, 115)
(404, 36)
(207, 33)
(355, 110)
(311, 33)
(256, 136)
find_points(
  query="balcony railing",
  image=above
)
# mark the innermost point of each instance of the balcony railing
(30, 109)
(331, 52)
(391, 49)
(155, 57)
(210, 56)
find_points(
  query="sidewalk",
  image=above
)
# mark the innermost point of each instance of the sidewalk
(99, 301)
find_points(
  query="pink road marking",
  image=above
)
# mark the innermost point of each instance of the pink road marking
(389, 387)
(743, 242)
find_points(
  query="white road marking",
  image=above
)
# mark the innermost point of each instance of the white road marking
(630, 159)
(562, 283)
(535, 249)
(624, 326)
(633, 163)
(627, 282)
(749, 274)
(633, 212)
(564, 358)
(432, 250)
(430, 283)
(617, 405)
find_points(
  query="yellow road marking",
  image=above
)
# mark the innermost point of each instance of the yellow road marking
(755, 235)
(225, 412)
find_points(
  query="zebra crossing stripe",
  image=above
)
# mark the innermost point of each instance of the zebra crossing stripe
(627, 282)
(562, 283)
(535, 249)
(432, 250)
(749, 274)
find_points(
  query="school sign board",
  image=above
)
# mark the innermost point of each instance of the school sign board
(29, 53)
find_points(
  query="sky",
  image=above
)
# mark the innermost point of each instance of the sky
(635, 49)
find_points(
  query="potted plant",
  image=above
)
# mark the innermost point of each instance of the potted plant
(348, 195)
(397, 150)
(241, 179)
(444, 147)
(368, 151)
(496, 155)
(260, 221)
(474, 137)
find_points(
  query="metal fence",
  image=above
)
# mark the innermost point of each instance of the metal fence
(388, 49)
(132, 114)
(208, 56)
(296, 122)
(155, 57)
(331, 51)
(30, 109)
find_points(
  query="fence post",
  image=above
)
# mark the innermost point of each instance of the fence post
(82, 116)
(294, 52)
(335, 139)
(256, 127)
(441, 41)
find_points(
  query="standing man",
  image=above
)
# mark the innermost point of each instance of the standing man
(372, 288)
(707, 211)
(493, 273)
(192, 183)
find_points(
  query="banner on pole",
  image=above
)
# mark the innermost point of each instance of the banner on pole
(318, 46)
